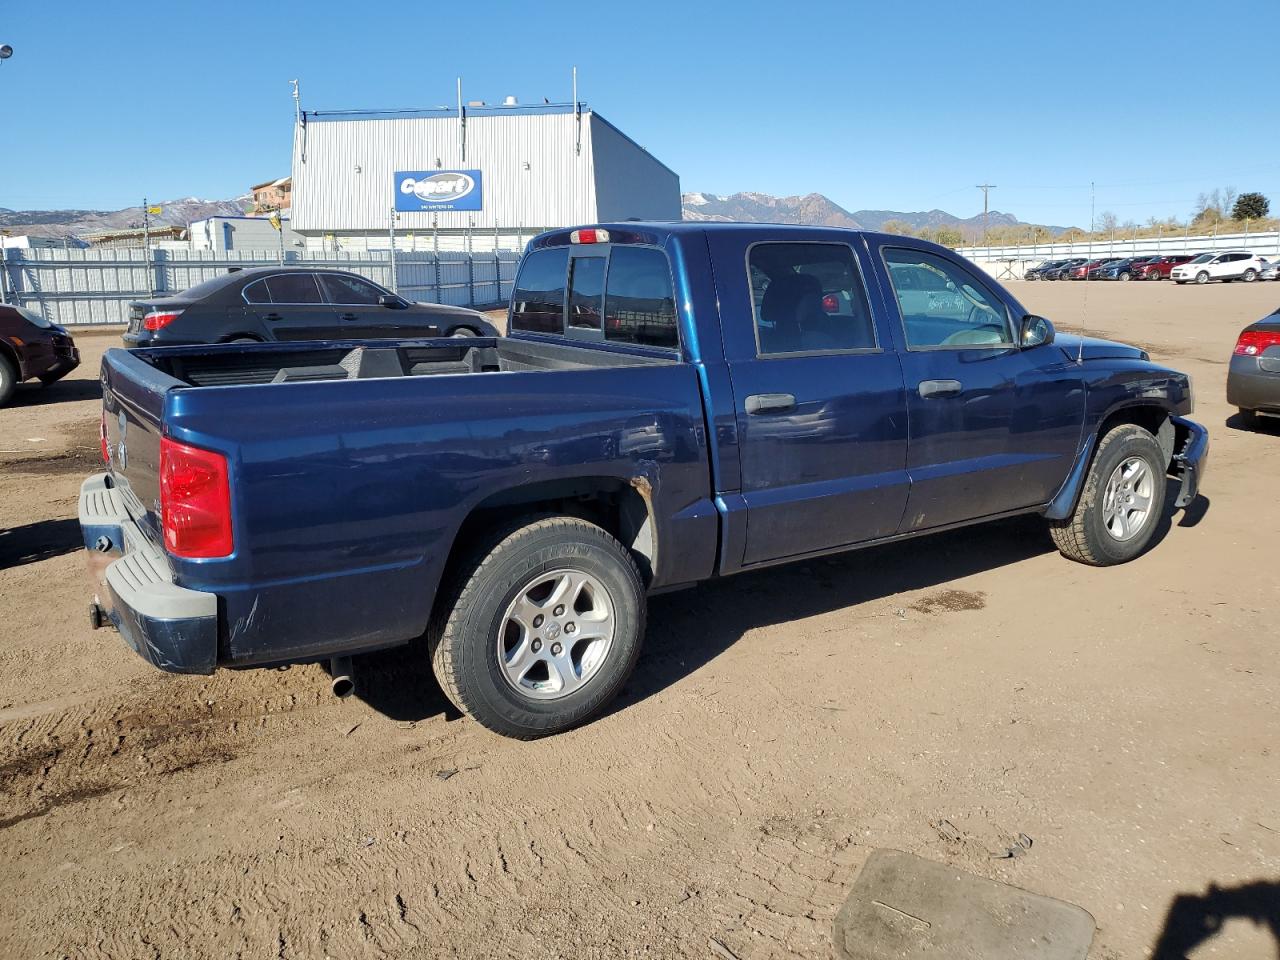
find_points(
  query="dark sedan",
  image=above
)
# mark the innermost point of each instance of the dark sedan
(277, 303)
(1253, 382)
(1121, 269)
(1062, 271)
(32, 348)
(1038, 271)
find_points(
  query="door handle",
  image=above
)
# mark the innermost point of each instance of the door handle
(349, 316)
(770, 402)
(940, 388)
(273, 316)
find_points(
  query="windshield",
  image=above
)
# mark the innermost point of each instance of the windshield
(34, 318)
(1203, 258)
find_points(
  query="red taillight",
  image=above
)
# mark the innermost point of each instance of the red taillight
(589, 236)
(102, 437)
(1254, 342)
(831, 303)
(195, 501)
(159, 319)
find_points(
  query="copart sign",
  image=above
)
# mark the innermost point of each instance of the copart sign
(417, 190)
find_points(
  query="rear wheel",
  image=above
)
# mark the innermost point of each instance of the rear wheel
(464, 332)
(8, 380)
(1202, 277)
(1121, 502)
(1249, 275)
(541, 629)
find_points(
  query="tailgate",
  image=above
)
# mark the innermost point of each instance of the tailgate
(133, 397)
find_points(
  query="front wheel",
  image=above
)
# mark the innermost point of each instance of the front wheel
(8, 380)
(1250, 275)
(1202, 277)
(1120, 504)
(542, 629)
(1126, 276)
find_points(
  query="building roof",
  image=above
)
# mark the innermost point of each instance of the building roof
(278, 182)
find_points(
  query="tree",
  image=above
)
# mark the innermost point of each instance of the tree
(1250, 206)
(896, 226)
(1107, 222)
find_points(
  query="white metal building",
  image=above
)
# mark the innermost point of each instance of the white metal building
(468, 178)
(226, 234)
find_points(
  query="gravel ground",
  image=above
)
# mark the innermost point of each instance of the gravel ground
(940, 697)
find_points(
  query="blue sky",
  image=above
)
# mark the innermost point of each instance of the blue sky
(878, 105)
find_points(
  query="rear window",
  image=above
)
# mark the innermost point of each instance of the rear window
(537, 305)
(206, 287)
(294, 288)
(629, 288)
(639, 304)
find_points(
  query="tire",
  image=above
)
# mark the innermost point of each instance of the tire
(464, 332)
(1248, 417)
(1092, 534)
(243, 340)
(8, 380)
(481, 615)
(1202, 277)
(1249, 275)
(1125, 276)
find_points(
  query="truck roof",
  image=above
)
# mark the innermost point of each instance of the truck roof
(660, 229)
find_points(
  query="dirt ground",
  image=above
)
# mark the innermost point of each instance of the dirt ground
(938, 697)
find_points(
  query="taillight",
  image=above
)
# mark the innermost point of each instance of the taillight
(830, 303)
(159, 319)
(589, 236)
(102, 437)
(195, 501)
(1254, 342)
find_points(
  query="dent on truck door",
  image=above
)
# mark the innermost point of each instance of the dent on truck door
(820, 406)
(993, 427)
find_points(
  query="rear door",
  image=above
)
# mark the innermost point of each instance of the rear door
(818, 390)
(993, 428)
(290, 306)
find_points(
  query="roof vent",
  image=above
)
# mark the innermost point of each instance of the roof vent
(510, 102)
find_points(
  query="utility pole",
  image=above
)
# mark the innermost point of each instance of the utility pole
(986, 188)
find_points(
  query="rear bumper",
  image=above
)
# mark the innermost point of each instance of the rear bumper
(169, 626)
(1250, 387)
(1191, 458)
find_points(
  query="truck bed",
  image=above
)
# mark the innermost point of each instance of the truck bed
(353, 466)
(238, 364)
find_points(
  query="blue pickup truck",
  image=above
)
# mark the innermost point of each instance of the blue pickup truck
(673, 402)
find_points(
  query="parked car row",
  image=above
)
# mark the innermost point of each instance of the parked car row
(1226, 265)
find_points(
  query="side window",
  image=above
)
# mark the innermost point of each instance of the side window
(256, 292)
(537, 305)
(808, 297)
(293, 288)
(639, 303)
(350, 290)
(943, 305)
(586, 292)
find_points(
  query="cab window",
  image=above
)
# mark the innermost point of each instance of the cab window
(808, 298)
(943, 305)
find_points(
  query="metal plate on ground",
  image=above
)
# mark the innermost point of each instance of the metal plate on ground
(904, 907)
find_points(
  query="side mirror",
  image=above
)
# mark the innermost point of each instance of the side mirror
(393, 301)
(1034, 331)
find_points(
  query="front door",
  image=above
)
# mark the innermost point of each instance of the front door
(289, 306)
(818, 389)
(361, 316)
(994, 428)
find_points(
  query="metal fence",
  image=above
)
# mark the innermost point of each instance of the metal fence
(78, 287)
(1265, 244)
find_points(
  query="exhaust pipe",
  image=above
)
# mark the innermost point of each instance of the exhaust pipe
(343, 679)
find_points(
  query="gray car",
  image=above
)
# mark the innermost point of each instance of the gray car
(1253, 383)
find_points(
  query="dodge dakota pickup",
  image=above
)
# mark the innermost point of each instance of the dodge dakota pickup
(673, 402)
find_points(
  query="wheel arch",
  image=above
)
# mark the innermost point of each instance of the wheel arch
(10, 354)
(1155, 418)
(623, 507)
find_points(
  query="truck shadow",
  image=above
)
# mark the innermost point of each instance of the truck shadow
(33, 542)
(692, 627)
(1195, 919)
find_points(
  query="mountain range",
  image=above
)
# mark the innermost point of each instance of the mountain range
(817, 210)
(63, 223)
